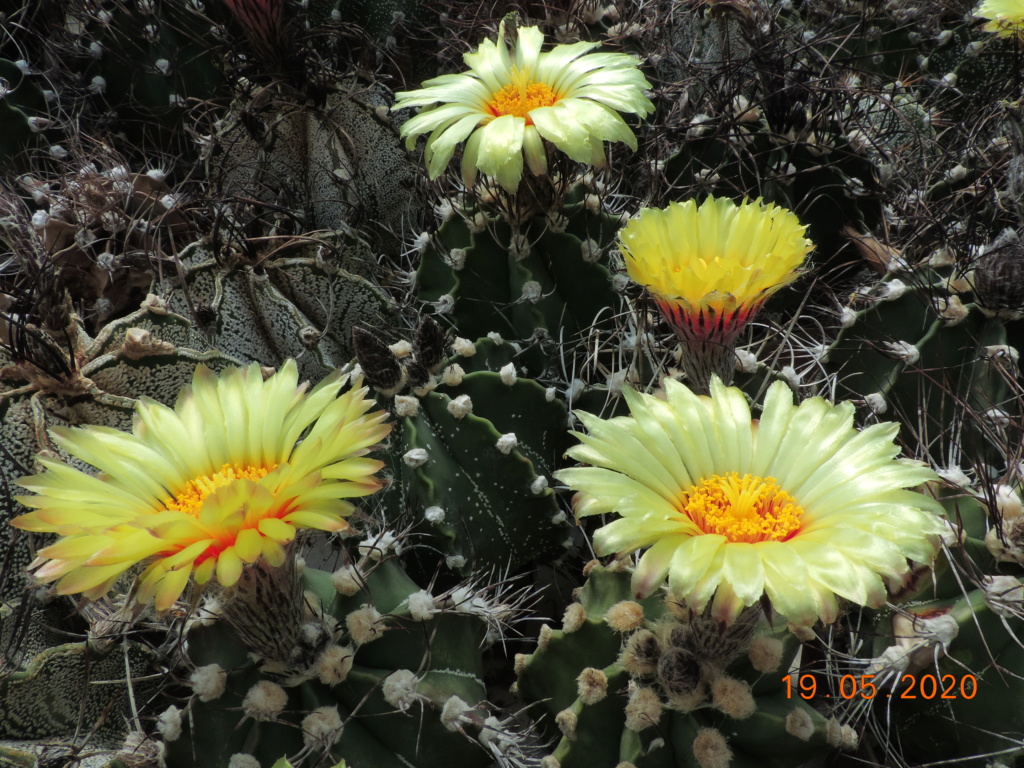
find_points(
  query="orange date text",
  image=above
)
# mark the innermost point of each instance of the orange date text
(922, 686)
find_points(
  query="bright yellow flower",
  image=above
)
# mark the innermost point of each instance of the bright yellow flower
(508, 103)
(799, 505)
(711, 267)
(226, 477)
(1006, 16)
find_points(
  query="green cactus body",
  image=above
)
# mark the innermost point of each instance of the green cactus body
(475, 456)
(336, 166)
(439, 655)
(58, 689)
(301, 304)
(951, 343)
(527, 283)
(656, 669)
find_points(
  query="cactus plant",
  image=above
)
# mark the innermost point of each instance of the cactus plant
(397, 671)
(225, 185)
(645, 682)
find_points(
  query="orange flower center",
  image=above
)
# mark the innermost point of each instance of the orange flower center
(518, 99)
(748, 509)
(190, 499)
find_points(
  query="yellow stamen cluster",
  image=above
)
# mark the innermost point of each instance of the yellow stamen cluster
(518, 100)
(743, 509)
(190, 499)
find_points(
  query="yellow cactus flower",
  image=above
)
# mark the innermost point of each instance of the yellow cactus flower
(711, 267)
(1006, 17)
(224, 478)
(510, 102)
(799, 505)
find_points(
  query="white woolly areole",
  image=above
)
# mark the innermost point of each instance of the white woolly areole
(789, 373)
(478, 223)
(549, 394)
(941, 257)
(616, 381)
(1004, 595)
(532, 291)
(434, 514)
(457, 259)
(399, 689)
(444, 304)
(460, 407)
(264, 701)
(375, 547)
(169, 723)
(401, 349)
(467, 600)
(452, 375)
(455, 562)
(876, 402)
(322, 727)
(938, 630)
(421, 606)
(209, 682)
(799, 724)
(508, 374)
(893, 290)
(347, 580)
(417, 457)
(954, 476)
(847, 317)
(452, 713)
(746, 361)
(507, 442)
(765, 653)
(242, 760)
(951, 309)
(519, 247)
(493, 736)
(539, 485)
(997, 417)
(1008, 502)
(894, 658)
(840, 736)
(463, 347)
(1002, 350)
(573, 618)
(364, 625)
(334, 664)
(904, 350)
(406, 406)
(556, 222)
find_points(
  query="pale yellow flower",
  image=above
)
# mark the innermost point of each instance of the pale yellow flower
(1006, 17)
(711, 267)
(510, 102)
(799, 506)
(224, 478)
